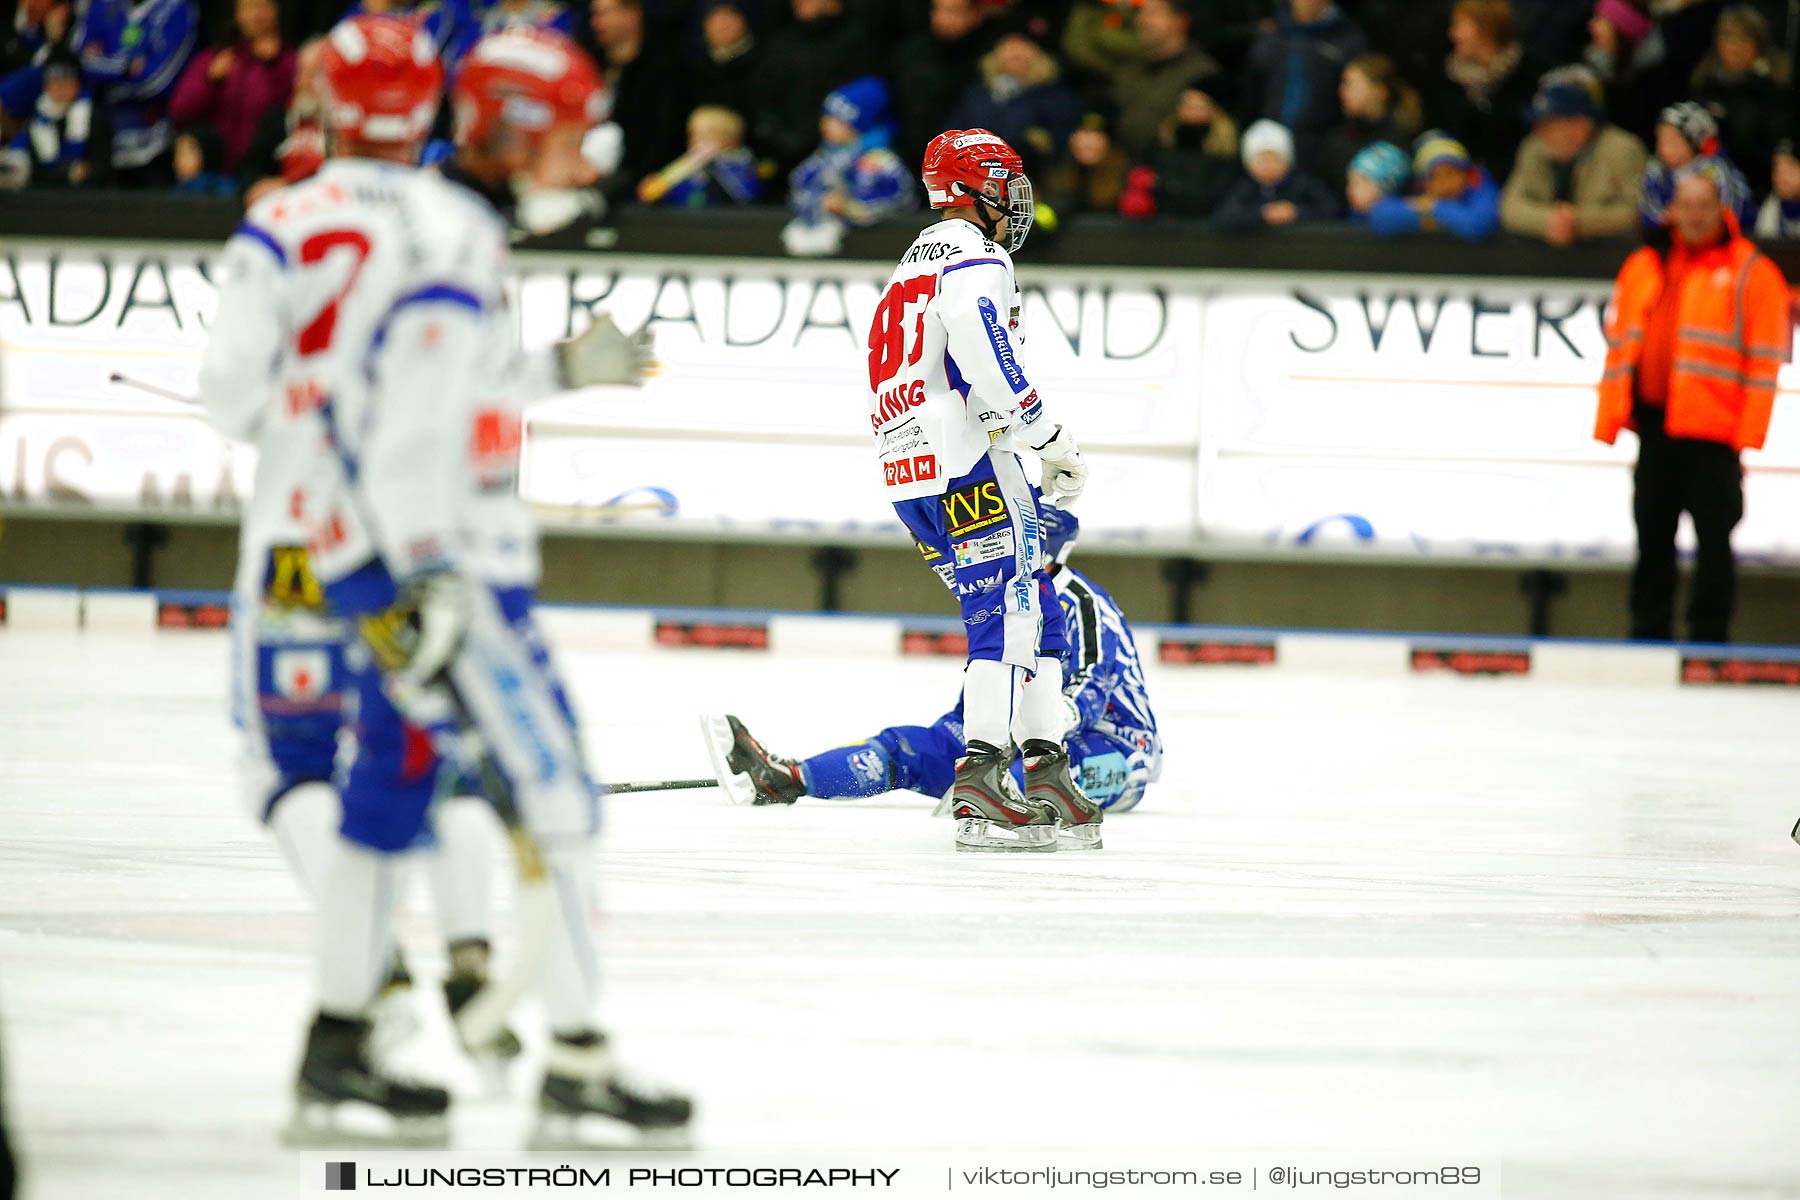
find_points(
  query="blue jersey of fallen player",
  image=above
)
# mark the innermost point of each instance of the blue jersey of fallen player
(1104, 677)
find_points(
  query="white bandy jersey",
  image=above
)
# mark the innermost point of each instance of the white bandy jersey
(398, 437)
(944, 374)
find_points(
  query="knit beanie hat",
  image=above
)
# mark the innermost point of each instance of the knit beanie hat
(1271, 136)
(1383, 164)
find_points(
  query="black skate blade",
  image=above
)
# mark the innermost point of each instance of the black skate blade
(1796, 834)
(599, 1133)
(317, 1125)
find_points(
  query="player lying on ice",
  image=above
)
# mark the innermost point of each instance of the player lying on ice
(1111, 739)
(953, 413)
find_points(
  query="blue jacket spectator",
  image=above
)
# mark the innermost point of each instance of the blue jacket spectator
(1293, 72)
(134, 53)
(1021, 97)
(1277, 193)
(478, 19)
(854, 176)
(64, 142)
(1686, 132)
(1456, 195)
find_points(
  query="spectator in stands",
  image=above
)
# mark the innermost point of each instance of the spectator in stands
(1194, 164)
(822, 50)
(1091, 175)
(1378, 105)
(1621, 47)
(1685, 132)
(1697, 336)
(1744, 81)
(1293, 74)
(1277, 193)
(1101, 39)
(718, 169)
(1021, 97)
(854, 177)
(1576, 177)
(722, 78)
(491, 16)
(1455, 195)
(290, 143)
(232, 89)
(133, 53)
(1487, 85)
(646, 79)
(930, 69)
(64, 142)
(198, 156)
(1552, 31)
(1146, 90)
(1379, 172)
(1780, 216)
(37, 26)
(449, 22)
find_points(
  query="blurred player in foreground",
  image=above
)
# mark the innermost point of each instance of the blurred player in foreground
(1112, 743)
(415, 530)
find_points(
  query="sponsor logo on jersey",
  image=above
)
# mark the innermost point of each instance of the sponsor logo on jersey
(289, 581)
(981, 615)
(1030, 409)
(869, 766)
(972, 508)
(494, 442)
(1003, 351)
(996, 545)
(896, 402)
(975, 587)
(917, 469)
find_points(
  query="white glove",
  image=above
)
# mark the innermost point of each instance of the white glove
(414, 641)
(1065, 474)
(604, 353)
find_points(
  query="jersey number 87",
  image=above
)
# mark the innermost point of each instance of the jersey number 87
(887, 334)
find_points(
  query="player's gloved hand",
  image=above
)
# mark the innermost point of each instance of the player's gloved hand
(603, 353)
(1065, 473)
(414, 640)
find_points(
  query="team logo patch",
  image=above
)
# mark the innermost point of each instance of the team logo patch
(301, 674)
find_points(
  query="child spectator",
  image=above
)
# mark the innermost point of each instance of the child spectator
(1194, 165)
(198, 154)
(854, 177)
(1293, 73)
(234, 88)
(1780, 216)
(1021, 97)
(1091, 176)
(133, 53)
(1576, 176)
(716, 170)
(1276, 193)
(1378, 172)
(1455, 195)
(63, 143)
(1379, 106)
(727, 60)
(1488, 83)
(1686, 132)
(1744, 82)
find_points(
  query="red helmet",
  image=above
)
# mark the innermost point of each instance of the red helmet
(526, 79)
(975, 168)
(380, 79)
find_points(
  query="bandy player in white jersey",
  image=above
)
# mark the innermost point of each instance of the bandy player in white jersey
(395, 256)
(301, 290)
(952, 413)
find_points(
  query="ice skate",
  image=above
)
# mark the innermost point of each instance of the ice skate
(990, 813)
(748, 773)
(468, 975)
(341, 1099)
(587, 1103)
(1049, 782)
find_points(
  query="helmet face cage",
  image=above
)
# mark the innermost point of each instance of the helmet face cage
(1021, 211)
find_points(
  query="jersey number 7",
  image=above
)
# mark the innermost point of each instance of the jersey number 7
(316, 336)
(887, 334)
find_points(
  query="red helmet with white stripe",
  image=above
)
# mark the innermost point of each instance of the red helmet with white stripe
(528, 80)
(976, 168)
(380, 79)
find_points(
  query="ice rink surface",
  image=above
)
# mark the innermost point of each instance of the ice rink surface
(1552, 926)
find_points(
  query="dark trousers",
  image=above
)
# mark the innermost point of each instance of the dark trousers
(1706, 481)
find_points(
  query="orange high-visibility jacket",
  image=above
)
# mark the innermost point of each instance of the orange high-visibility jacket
(1733, 334)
